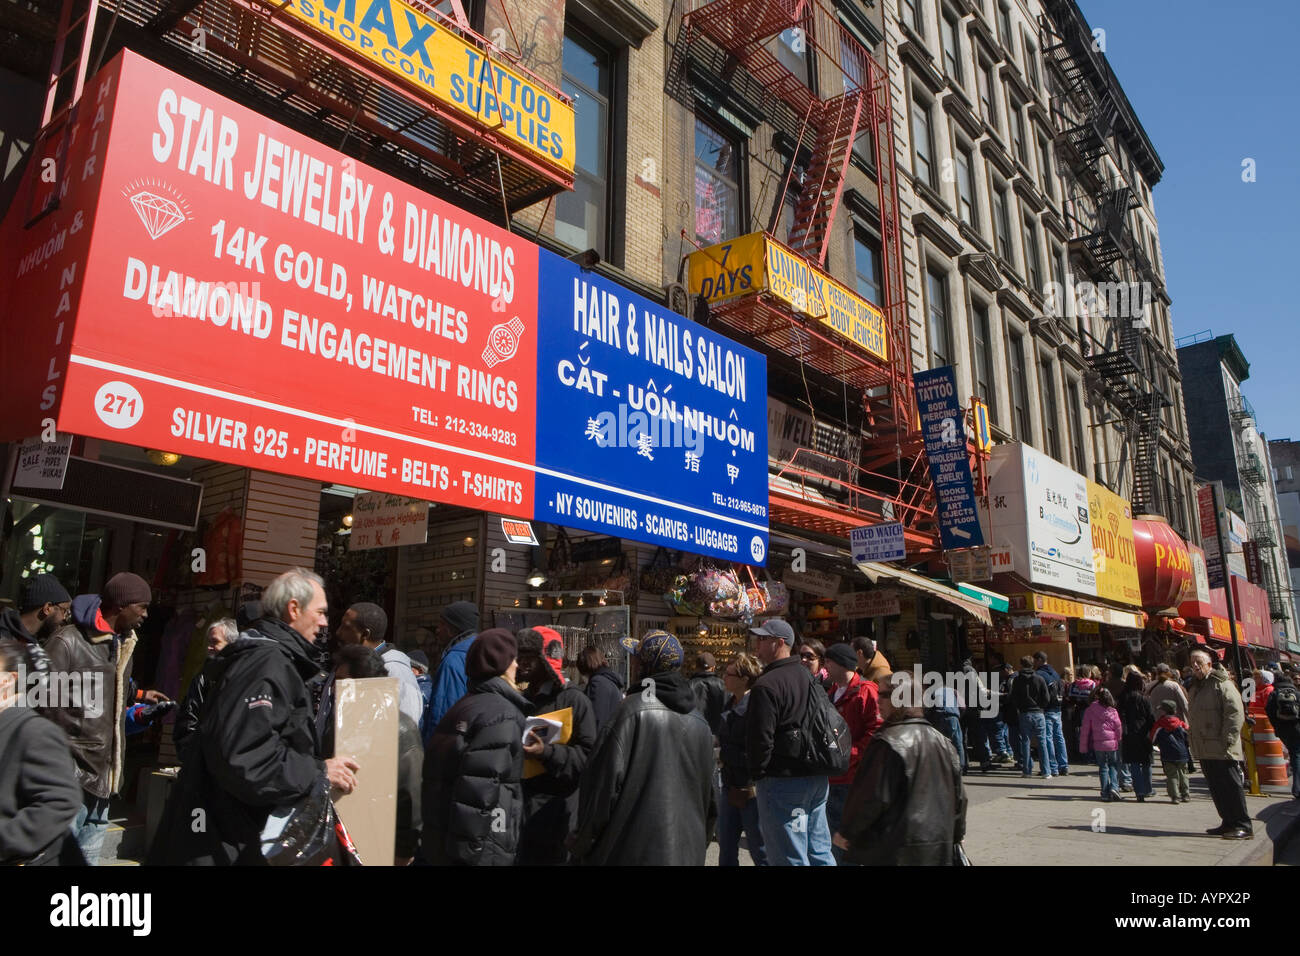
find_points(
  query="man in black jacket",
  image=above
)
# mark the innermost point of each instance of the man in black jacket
(1281, 709)
(906, 806)
(1030, 697)
(791, 803)
(709, 691)
(473, 764)
(39, 793)
(647, 798)
(551, 796)
(257, 739)
(44, 607)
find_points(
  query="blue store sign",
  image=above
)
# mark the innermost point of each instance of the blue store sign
(649, 427)
(944, 431)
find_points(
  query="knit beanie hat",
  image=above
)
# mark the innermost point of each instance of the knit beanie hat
(659, 651)
(41, 590)
(843, 655)
(461, 616)
(490, 654)
(125, 588)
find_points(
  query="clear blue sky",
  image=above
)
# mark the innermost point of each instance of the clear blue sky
(1214, 84)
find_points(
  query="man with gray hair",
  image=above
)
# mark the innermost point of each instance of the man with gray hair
(220, 634)
(1216, 715)
(257, 745)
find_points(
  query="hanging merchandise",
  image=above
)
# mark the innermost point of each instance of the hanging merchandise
(661, 573)
(561, 571)
(778, 596)
(221, 544)
(757, 594)
(620, 578)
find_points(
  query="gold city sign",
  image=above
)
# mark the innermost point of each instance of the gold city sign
(401, 40)
(758, 263)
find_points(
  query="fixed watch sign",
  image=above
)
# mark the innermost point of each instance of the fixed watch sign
(944, 434)
(878, 542)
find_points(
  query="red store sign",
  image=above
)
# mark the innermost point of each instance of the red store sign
(217, 285)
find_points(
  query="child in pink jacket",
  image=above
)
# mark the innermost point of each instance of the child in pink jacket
(1101, 733)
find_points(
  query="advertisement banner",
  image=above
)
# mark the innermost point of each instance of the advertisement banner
(1113, 549)
(429, 56)
(758, 263)
(878, 542)
(945, 447)
(827, 450)
(814, 583)
(649, 426)
(1040, 513)
(252, 297)
(43, 464)
(387, 521)
(860, 604)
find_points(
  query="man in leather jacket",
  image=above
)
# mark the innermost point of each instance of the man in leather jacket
(647, 798)
(93, 651)
(906, 806)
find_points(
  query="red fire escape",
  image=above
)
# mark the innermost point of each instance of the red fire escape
(892, 470)
(257, 51)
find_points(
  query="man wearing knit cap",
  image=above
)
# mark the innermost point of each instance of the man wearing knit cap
(473, 804)
(551, 797)
(94, 651)
(647, 798)
(457, 628)
(44, 608)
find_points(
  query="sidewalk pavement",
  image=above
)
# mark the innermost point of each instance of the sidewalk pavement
(1062, 821)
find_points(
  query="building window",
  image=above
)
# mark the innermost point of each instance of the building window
(951, 49)
(1072, 411)
(1060, 295)
(717, 185)
(791, 49)
(1048, 388)
(912, 15)
(1033, 262)
(854, 68)
(988, 102)
(1019, 387)
(582, 216)
(982, 343)
(1004, 30)
(866, 264)
(1016, 122)
(940, 335)
(1001, 222)
(922, 144)
(1045, 174)
(1031, 65)
(966, 188)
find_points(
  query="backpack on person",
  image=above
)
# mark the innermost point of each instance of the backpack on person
(825, 745)
(1287, 703)
(1053, 692)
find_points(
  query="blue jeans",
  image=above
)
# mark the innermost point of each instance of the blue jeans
(1033, 726)
(950, 726)
(1108, 765)
(731, 823)
(995, 729)
(839, 795)
(1141, 778)
(1056, 741)
(90, 826)
(792, 814)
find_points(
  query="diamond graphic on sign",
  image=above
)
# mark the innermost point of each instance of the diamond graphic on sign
(159, 214)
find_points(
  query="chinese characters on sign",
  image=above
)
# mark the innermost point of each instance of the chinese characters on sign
(387, 521)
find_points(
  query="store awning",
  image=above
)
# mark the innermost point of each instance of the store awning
(990, 599)
(877, 572)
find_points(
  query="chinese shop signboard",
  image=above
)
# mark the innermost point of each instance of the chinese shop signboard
(217, 285)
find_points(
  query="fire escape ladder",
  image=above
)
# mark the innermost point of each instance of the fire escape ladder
(66, 81)
(814, 213)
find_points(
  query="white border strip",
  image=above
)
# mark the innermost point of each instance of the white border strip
(398, 436)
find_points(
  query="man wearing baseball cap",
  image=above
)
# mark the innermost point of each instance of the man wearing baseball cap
(94, 650)
(791, 803)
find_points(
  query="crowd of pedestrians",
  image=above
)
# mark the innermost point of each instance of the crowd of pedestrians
(813, 755)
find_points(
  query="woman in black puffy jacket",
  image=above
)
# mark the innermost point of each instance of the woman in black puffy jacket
(473, 765)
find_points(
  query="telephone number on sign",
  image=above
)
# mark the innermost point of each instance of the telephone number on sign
(748, 507)
(462, 426)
